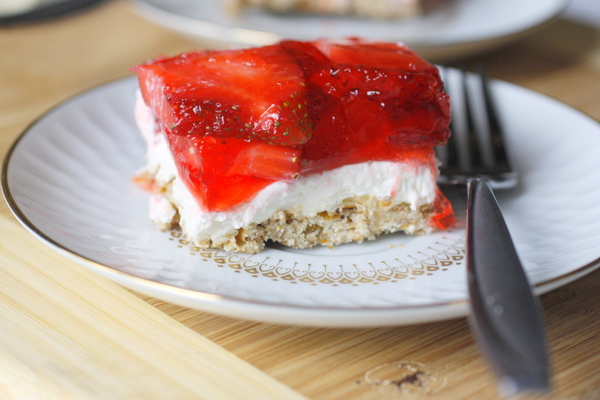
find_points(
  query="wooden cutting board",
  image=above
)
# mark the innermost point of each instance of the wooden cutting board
(67, 333)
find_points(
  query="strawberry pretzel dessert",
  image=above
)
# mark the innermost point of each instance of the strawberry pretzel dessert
(301, 143)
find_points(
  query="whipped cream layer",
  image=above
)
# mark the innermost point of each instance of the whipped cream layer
(413, 184)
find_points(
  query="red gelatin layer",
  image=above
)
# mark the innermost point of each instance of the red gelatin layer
(238, 120)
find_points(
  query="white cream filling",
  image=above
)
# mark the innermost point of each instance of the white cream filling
(308, 195)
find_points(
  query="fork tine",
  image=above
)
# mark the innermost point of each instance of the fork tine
(474, 154)
(450, 158)
(496, 133)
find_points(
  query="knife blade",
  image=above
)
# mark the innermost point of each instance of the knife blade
(506, 316)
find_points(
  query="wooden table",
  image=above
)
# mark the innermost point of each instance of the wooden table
(67, 333)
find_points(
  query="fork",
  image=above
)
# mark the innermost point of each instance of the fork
(506, 317)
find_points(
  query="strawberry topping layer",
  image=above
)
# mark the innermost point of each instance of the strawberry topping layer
(239, 120)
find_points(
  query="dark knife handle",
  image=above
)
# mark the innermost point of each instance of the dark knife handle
(506, 316)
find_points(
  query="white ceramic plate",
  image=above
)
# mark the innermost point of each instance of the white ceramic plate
(68, 180)
(454, 29)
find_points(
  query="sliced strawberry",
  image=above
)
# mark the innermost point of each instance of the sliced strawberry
(231, 117)
(278, 163)
(223, 171)
(223, 192)
(255, 94)
(382, 55)
(368, 101)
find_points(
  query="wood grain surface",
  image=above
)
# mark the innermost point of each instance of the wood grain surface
(67, 333)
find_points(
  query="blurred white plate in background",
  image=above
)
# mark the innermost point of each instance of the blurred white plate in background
(451, 30)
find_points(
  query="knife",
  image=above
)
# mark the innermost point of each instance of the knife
(506, 316)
